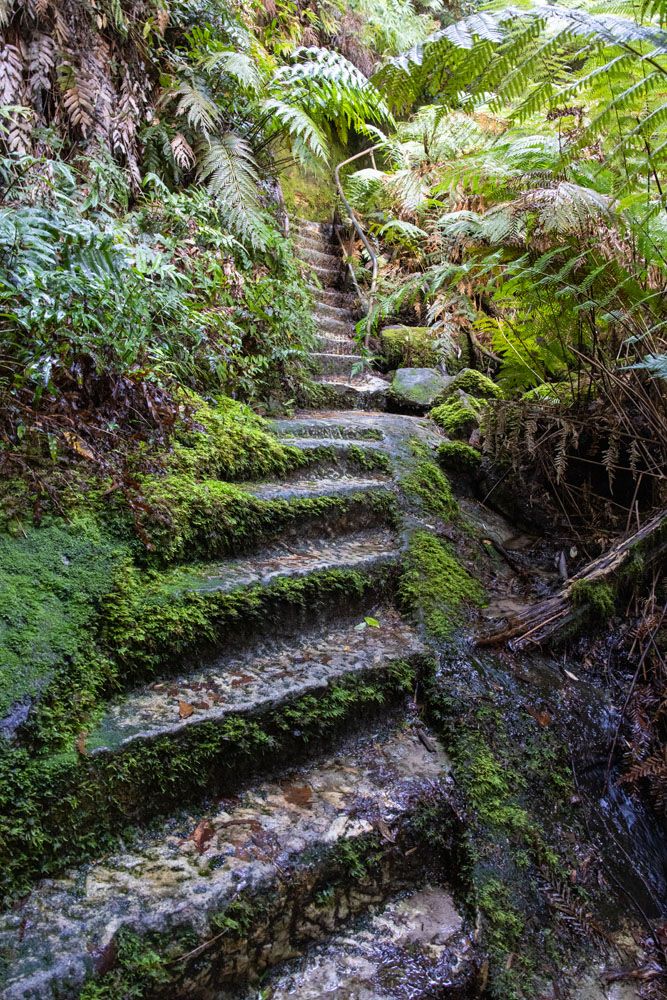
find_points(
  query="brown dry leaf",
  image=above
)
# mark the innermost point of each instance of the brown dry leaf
(541, 716)
(242, 679)
(386, 832)
(203, 832)
(299, 795)
(81, 744)
(185, 710)
(79, 446)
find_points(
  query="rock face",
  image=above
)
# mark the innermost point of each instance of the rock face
(418, 389)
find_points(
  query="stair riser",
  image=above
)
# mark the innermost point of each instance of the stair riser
(337, 327)
(314, 903)
(334, 297)
(319, 257)
(328, 277)
(345, 397)
(336, 345)
(336, 364)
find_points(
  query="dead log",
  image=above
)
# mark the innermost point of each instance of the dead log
(562, 610)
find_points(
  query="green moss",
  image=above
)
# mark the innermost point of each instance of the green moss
(59, 809)
(458, 416)
(595, 600)
(491, 785)
(409, 347)
(456, 456)
(228, 441)
(190, 519)
(433, 489)
(52, 579)
(475, 384)
(435, 587)
(505, 927)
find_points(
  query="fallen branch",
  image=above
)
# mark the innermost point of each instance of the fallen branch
(538, 623)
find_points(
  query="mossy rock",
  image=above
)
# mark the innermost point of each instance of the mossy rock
(455, 456)
(405, 346)
(458, 416)
(417, 389)
(475, 384)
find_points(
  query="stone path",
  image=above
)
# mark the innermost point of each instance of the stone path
(322, 814)
(339, 361)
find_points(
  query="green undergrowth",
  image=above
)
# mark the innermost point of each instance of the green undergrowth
(62, 808)
(435, 587)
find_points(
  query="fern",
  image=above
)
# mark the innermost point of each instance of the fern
(227, 166)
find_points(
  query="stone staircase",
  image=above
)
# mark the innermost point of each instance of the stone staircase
(339, 360)
(274, 804)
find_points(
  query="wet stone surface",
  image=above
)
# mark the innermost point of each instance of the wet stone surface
(267, 675)
(359, 550)
(318, 486)
(414, 947)
(196, 864)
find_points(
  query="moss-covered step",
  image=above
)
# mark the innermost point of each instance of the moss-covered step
(211, 899)
(154, 619)
(259, 680)
(186, 519)
(416, 946)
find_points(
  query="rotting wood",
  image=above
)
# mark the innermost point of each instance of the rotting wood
(541, 621)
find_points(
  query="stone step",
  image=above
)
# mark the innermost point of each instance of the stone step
(317, 426)
(365, 392)
(326, 310)
(321, 258)
(343, 326)
(415, 947)
(318, 244)
(336, 363)
(329, 277)
(334, 297)
(332, 484)
(223, 894)
(307, 226)
(255, 681)
(337, 345)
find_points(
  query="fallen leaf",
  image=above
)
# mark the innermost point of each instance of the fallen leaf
(386, 831)
(81, 744)
(200, 704)
(242, 679)
(299, 795)
(77, 445)
(540, 715)
(203, 832)
(573, 677)
(185, 710)
(372, 622)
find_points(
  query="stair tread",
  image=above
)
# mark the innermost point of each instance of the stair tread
(314, 486)
(403, 950)
(268, 674)
(363, 383)
(176, 878)
(291, 560)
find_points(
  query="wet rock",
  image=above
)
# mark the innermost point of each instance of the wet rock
(417, 389)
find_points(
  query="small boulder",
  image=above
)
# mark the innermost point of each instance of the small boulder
(458, 415)
(475, 384)
(417, 389)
